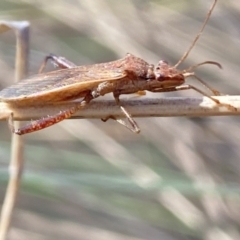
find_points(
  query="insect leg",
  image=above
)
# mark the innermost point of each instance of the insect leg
(133, 125)
(58, 61)
(187, 86)
(49, 120)
(214, 91)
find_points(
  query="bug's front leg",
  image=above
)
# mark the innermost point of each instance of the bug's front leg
(188, 86)
(48, 121)
(184, 87)
(214, 91)
(60, 62)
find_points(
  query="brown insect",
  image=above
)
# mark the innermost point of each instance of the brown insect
(125, 76)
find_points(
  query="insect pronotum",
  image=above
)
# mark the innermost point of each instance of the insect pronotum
(124, 76)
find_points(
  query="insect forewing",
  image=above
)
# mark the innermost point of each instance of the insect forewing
(57, 85)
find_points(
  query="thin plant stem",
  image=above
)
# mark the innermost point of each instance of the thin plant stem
(21, 30)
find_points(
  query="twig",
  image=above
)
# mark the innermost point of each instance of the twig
(144, 107)
(21, 30)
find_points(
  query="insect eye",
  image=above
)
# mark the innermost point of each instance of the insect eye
(162, 63)
(161, 70)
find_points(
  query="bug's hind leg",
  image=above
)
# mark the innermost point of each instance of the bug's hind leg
(45, 122)
(60, 62)
(48, 121)
(133, 125)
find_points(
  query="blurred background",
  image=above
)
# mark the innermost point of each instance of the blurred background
(85, 179)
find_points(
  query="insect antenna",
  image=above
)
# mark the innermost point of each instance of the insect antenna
(197, 36)
(202, 63)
